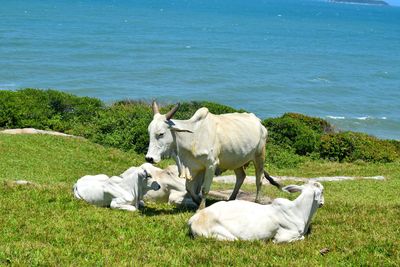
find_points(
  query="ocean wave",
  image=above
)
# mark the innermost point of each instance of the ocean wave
(320, 79)
(336, 117)
(362, 118)
(7, 85)
(381, 126)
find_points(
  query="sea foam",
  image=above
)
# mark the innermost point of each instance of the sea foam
(336, 117)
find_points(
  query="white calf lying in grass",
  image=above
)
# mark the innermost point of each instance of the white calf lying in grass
(118, 192)
(172, 189)
(283, 220)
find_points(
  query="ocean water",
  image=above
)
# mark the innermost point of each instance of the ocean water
(336, 61)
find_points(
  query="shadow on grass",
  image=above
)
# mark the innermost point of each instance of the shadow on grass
(154, 210)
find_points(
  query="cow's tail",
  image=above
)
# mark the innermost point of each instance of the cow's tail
(271, 180)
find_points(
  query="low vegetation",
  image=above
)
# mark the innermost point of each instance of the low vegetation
(42, 223)
(293, 138)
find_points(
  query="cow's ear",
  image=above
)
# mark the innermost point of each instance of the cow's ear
(293, 188)
(179, 127)
(181, 130)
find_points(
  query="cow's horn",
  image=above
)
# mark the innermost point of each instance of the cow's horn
(172, 112)
(155, 108)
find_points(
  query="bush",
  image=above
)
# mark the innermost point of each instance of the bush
(121, 125)
(45, 109)
(317, 125)
(292, 134)
(282, 158)
(350, 146)
(396, 144)
(303, 135)
(124, 125)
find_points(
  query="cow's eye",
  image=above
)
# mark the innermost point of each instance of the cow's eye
(161, 135)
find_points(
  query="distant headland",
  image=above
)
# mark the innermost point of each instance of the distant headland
(364, 2)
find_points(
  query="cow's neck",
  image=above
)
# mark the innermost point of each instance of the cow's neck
(174, 183)
(132, 182)
(182, 134)
(183, 154)
(305, 206)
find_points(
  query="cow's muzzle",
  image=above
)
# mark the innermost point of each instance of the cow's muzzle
(149, 159)
(155, 186)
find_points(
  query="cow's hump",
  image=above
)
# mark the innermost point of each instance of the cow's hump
(200, 114)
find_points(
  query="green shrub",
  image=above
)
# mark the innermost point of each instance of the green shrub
(337, 147)
(124, 125)
(282, 158)
(7, 103)
(45, 109)
(121, 125)
(396, 144)
(291, 133)
(351, 146)
(24, 109)
(303, 135)
(318, 125)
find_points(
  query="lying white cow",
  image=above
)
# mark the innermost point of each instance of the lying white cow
(172, 188)
(207, 144)
(283, 220)
(118, 192)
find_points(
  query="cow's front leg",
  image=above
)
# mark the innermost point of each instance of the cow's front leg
(120, 203)
(285, 235)
(193, 187)
(208, 176)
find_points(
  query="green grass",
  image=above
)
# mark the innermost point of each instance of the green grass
(42, 224)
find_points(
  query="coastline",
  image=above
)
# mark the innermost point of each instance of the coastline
(382, 126)
(293, 137)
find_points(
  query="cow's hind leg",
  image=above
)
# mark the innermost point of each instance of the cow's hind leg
(259, 166)
(240, 176)
(221, 233)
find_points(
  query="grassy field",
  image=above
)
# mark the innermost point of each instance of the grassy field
(42, 223)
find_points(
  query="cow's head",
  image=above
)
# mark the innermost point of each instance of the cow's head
(146, 179)
(316, 188)
(161, 139)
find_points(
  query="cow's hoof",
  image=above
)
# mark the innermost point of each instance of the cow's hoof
(202, 204)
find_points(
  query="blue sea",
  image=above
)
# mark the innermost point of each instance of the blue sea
(336, 61)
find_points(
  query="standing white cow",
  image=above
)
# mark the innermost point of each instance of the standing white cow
(207, 144)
